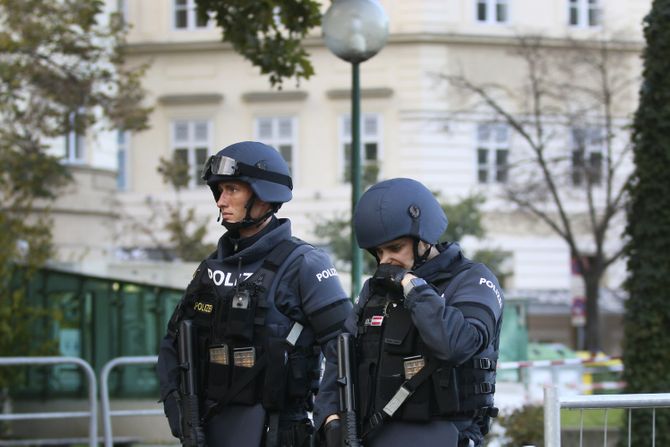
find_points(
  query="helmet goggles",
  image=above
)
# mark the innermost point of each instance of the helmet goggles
(229, 167)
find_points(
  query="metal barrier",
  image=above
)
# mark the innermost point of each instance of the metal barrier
(104, 394)
(90, 375)
(553, 404)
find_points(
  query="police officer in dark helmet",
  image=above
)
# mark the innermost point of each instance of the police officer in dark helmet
(426, 329)
(264, 304)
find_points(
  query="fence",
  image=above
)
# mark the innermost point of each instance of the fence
(92, 391)
(553, 404)
(107, 413)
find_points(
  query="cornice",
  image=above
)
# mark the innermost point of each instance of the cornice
(150, 48)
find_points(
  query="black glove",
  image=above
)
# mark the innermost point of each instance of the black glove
(389, 277)
(332, 433)
(173, 413)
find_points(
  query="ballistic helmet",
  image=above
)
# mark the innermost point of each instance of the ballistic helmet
(397, 208)
(257, 164)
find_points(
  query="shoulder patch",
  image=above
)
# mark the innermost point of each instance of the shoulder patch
(491, 285)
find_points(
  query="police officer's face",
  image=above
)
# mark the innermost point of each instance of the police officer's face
(233, 200)
(400, 252)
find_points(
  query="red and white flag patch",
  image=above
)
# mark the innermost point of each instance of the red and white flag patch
(377, 320)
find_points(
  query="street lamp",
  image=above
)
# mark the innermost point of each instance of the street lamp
(355, 30)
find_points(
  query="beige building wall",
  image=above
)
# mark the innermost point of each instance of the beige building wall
(193, 76)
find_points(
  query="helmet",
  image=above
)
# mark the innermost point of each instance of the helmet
(397, 208)
(257, 164)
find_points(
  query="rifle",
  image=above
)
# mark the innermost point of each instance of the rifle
(192, 432)
(347, 390)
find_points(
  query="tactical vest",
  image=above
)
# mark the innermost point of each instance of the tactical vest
(390, 353)
(242, 331)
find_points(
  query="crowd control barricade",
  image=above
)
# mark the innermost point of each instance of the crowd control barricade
(107, 413)
(91, 414)
(553, 403)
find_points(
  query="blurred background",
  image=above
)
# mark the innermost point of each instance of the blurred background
(516, 113)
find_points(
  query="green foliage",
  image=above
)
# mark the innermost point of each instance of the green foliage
(646, 349)
(60, 72)
(523, 426)
(185, 230)
(268, 33)
(465, 218)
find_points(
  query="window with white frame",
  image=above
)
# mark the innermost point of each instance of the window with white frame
(370, 151)
(185, 15)
(492, 153)
(584, 13)
(122, 141)
(191, 142)
(75, 142)
(492, 11)
(279, 132)
(587, 144)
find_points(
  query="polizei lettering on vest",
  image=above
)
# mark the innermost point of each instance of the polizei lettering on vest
(493, 287)
(203, 307)
(219, 277)
(326, 274)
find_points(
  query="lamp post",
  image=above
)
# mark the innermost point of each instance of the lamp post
(355, 30)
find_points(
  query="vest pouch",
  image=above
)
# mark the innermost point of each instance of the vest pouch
(399, 338)
(389, 379)
(218, 371)
(367, 350)
(445, 387)
(241, 313)
(276, 375)
(244, 358)
(417, 407)
(299, 380)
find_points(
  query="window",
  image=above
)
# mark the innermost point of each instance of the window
(191, 146)
(75, 143)
(186, 15)
(584, 13)
(587, 155)
(122, 10)
(492, 11)
(371, 137)
(280, 133)
(122, 140)
(492, 153)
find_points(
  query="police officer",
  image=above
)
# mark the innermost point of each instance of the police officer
(264, 304)
(426, 329)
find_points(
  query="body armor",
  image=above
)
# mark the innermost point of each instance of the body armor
(391, 353)
(240, 331)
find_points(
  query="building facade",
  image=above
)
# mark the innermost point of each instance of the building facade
(415, 122)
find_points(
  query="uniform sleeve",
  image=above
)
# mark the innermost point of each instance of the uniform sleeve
(459, 330)
(325, 306)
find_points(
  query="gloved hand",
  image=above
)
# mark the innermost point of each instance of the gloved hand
(332, 433)
(389, 277)
(173, 413)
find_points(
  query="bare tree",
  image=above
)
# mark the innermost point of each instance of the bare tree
(570, 169)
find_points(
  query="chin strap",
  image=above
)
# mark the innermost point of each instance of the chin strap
(420, 260)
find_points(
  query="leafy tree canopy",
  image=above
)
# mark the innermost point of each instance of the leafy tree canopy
(60, 72)
(268, 33)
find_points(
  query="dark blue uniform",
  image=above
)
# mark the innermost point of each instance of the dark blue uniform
(458, 319)
(306, 290)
